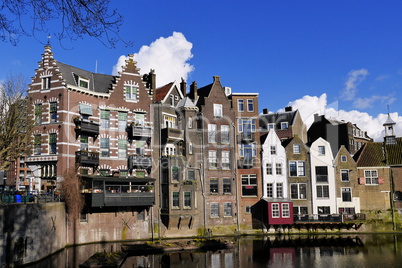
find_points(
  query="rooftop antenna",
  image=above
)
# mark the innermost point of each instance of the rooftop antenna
(48, 39)
(96, 66)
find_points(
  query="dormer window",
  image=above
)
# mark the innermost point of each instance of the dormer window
(84, 83)
(271, 126)
(284, 125)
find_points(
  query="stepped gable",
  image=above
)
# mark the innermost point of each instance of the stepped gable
(101, 83)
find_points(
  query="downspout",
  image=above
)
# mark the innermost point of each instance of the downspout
(235, 177)
(159, 168)
(202, 173)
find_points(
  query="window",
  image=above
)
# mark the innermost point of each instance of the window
(284, 125)
(190, 148)
(271, 126)
(175, 173)
(246, 126)
(52, 143)
(139, 120)
(278, 169)
(269, 168)
(227, 185)
(270, 190)
(344, 175)
(105, 118)
(191, 175)
(171, 100)
(250, 105)
(321, 173)
(225, 159)
(213, 186)
(296, 148)
(279, 190)
(298, 191)
(214, 210)
(240, 105)
(350, 211)
(322, 191)
(371, 176)
(213, 160)
(248, 209)
(321, 150)
(275, 210)
(324, 210)
(122, 116)
(82, 82)
(122, 148)
(225, 134)
(53, 112)
(104, 147)
(300, 210)
(123, 172)
(37, 144)
(175, 199)
(84, 142)
(247, 150)
(285, 210)
(249, 185)
(297, 168)
(139, 147)
(273, 150)
(227, 209)
(346, 194)
(131, 92)
(211, 133)
(218, 110)
(190, 122)
(343, 158)
(46, 82)
(38, 114)
(187, 199)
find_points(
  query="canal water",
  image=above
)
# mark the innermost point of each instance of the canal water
(343, 251)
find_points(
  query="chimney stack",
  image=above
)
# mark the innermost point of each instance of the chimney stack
(288, 109)
(183, 87)
(265, 111)
(193, 91)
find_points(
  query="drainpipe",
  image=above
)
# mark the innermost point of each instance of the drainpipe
(235, 176)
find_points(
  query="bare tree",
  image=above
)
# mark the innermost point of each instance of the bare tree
(15, 126)
(70, 188)
(74, 19)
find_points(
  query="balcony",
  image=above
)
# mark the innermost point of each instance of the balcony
(246, 137)
(86, 126)
(85, 158)
(246, 163)
(171, 134)
(102, 191)
(139, 162)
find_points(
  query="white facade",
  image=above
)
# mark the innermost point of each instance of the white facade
(323, 185)
(274, 169)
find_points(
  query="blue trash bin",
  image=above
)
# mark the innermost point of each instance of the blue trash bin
(17, 198)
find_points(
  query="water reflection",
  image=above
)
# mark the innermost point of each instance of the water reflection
(270, 251)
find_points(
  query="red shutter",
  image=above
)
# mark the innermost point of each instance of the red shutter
(362, 180)
(381, 180)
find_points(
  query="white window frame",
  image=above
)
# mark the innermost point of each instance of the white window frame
(371, 177)
(250, 102)
(346, 190)
(240, 105)
(285, 210)
(322, 191)
(213, 159)
(296, 148)
(345, 171)
(84, 80)
(275, 210)
(321, 150)
(187, 199)
(225, 160)
(214, 210)
(299, 191)
(284, 125)
(227, 209)
(212, 133)
(218, 110)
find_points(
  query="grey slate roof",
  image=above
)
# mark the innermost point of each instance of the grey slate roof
(277, 118)
(186, 103)
(101, 83)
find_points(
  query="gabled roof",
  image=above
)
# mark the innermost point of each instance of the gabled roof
(372, 154)
(161, 92)
(186, 103)
(97, 82)
(278, 118)
(394, 152)
(203, 93)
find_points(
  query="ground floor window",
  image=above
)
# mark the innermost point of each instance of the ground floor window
(300, 210)
(214, 210)
(350, 211)
(324, 210)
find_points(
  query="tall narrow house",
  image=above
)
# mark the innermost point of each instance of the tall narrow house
(215, 122)
(245, 106)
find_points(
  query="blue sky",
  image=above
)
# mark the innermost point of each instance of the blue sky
(341, 58)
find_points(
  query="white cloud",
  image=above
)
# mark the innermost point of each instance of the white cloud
(355, 77)
(310, 105)
(382, 77)
(167, 56)
(363, 103)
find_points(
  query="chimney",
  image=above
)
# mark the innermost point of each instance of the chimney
(183, 87)
(317, 118)
(193, 91)
(265, 111)
(217, 78)
(152, 78)
(288, 108)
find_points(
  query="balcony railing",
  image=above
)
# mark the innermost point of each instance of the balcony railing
(87, 126)
(139, 162)
(171, 134)
(87, 158)
(120, 199)
(329, 218)
(246, 137)
(245, 163)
